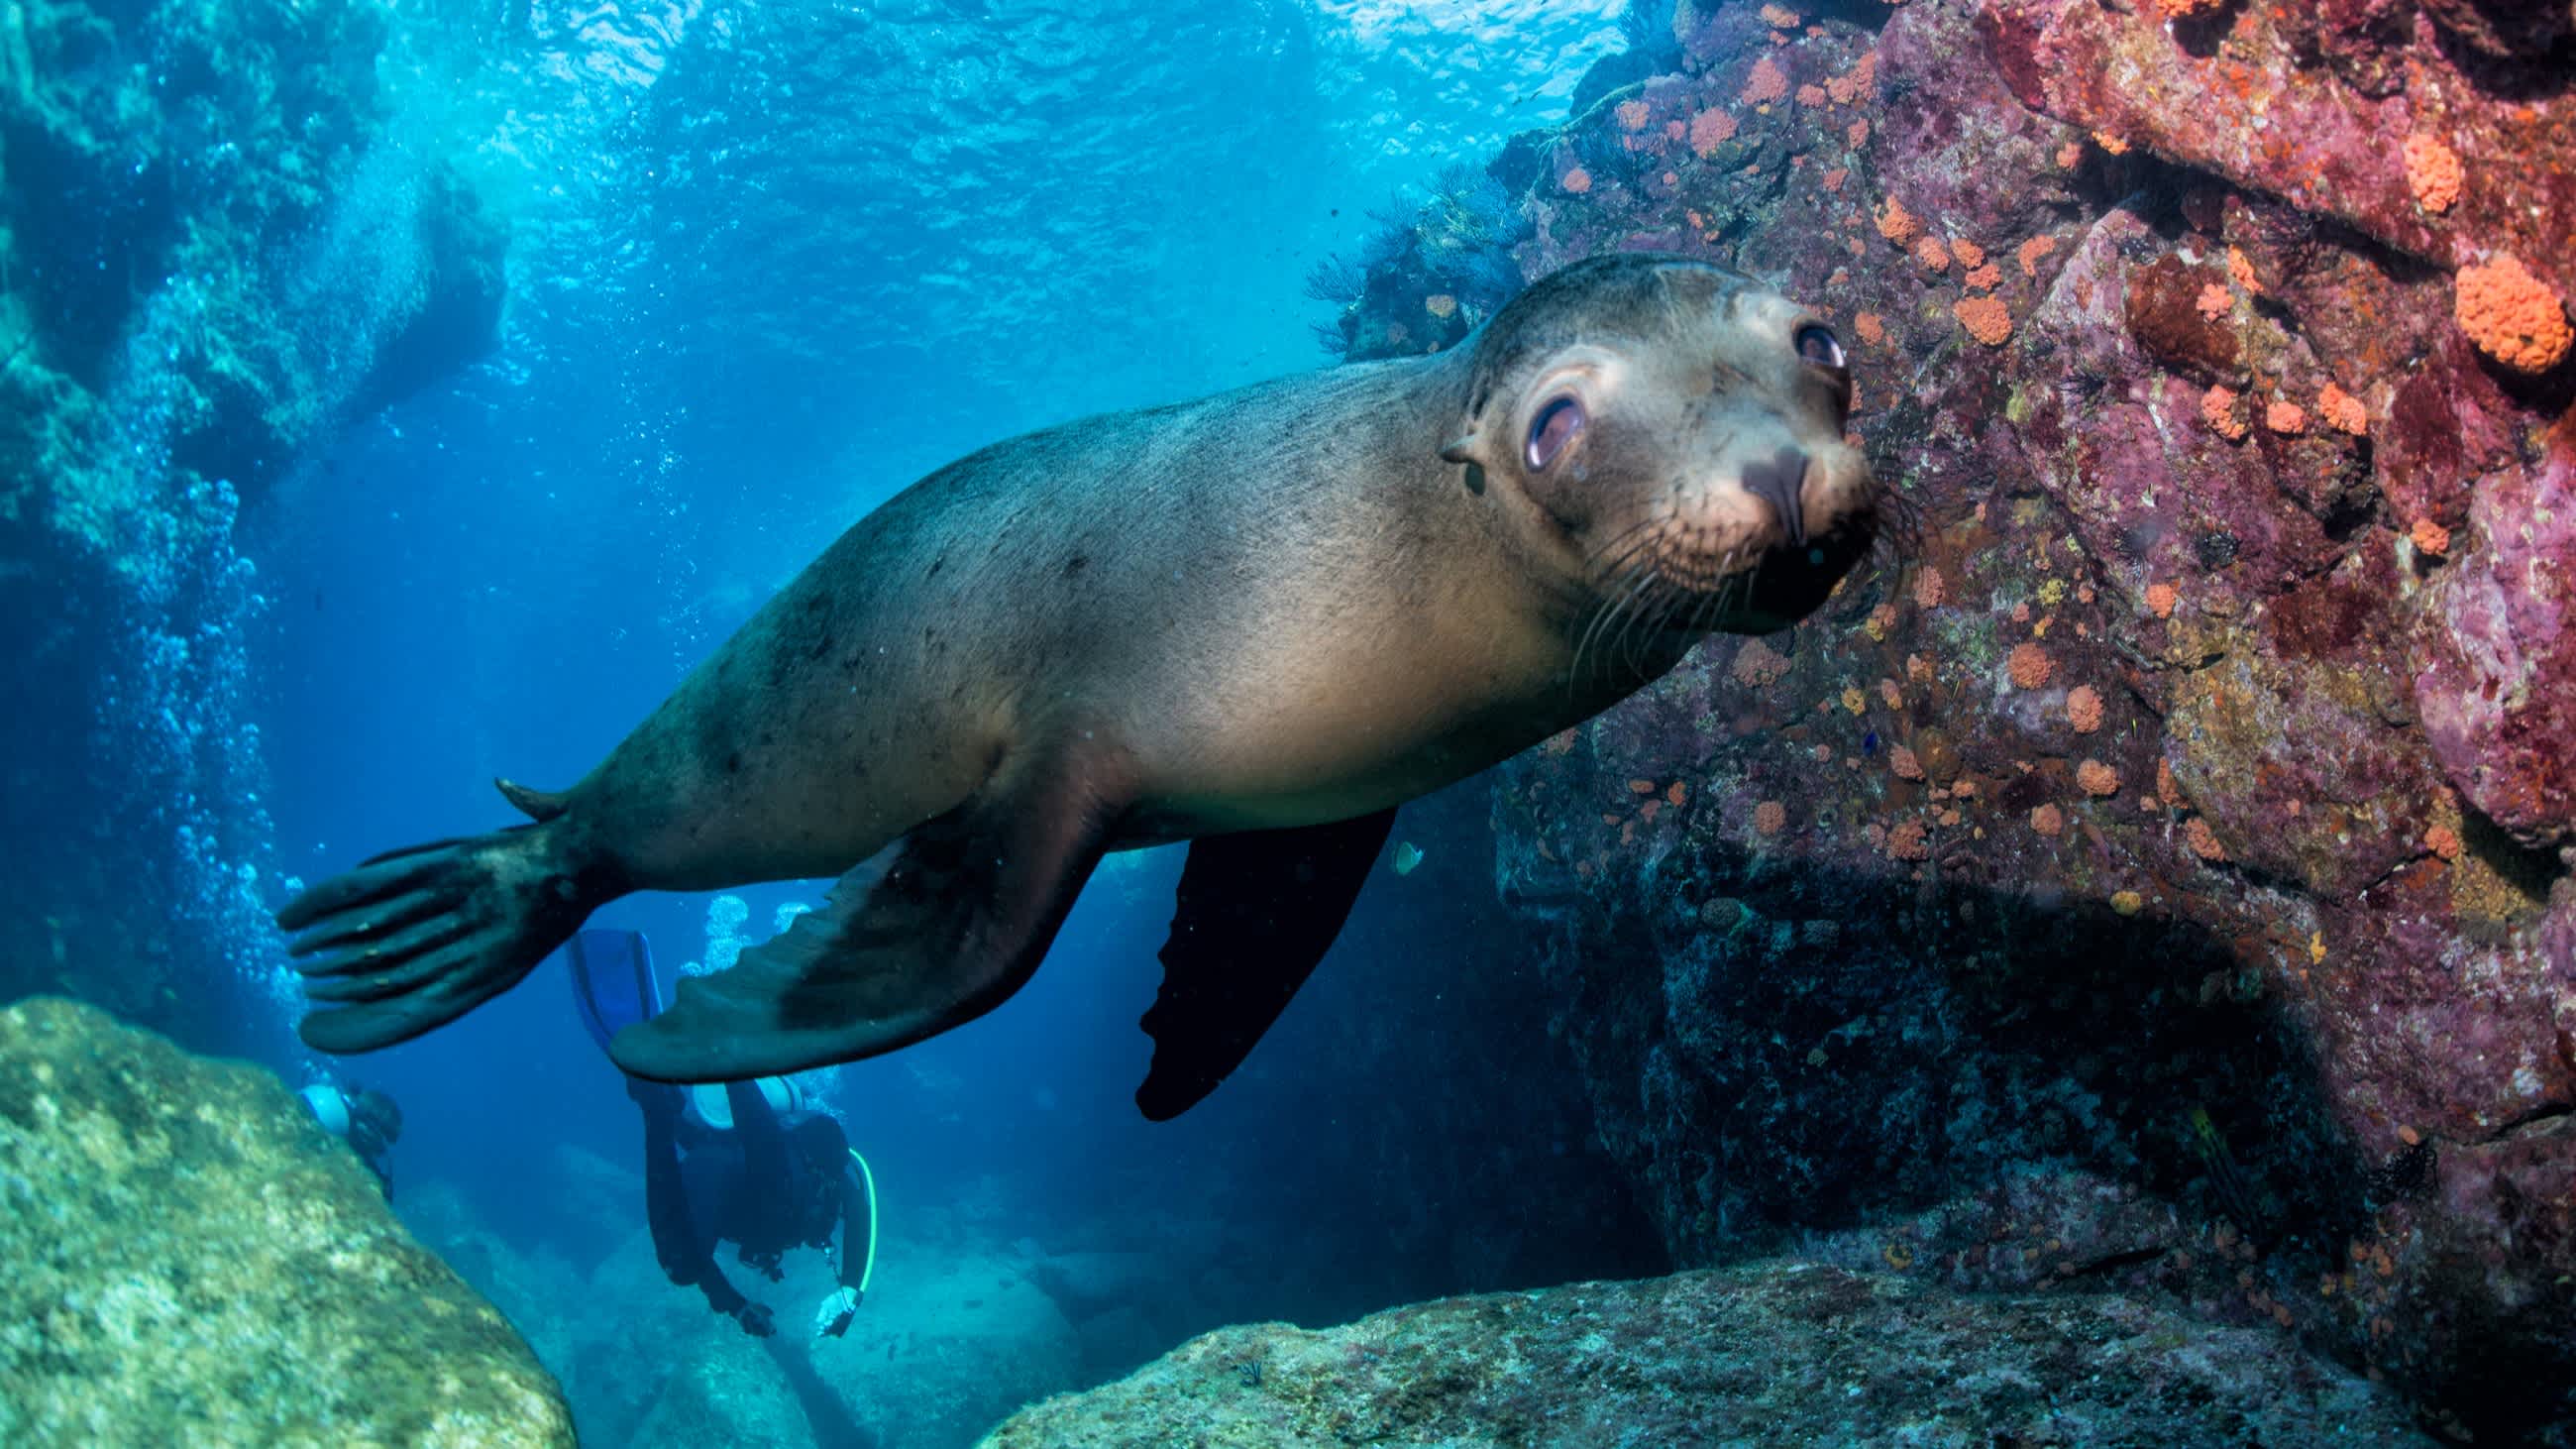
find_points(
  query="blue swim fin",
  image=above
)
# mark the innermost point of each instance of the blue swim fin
(612, 981)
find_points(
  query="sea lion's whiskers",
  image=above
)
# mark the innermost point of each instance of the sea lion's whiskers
(1615, 572)
(1653, 538)
(1621, 547)
(1713, 603)
(1651, 605)
(1658, 614)
(1638, 576)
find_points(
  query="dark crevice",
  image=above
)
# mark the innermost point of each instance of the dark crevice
(2112, 1263)
(2546, 1112)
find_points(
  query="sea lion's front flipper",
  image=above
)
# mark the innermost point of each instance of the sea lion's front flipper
(1256, 912)
(928, 934)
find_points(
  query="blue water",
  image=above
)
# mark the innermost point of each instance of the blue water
(767, 268)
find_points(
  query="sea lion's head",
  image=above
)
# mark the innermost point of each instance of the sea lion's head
(1669, 437)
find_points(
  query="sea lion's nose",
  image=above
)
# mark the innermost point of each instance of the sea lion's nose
(1778, 482)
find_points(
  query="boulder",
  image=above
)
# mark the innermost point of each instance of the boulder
(1774, 1353)
(192, 1259)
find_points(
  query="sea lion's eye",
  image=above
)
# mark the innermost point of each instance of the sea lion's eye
(1818, 345)
(1558, 423)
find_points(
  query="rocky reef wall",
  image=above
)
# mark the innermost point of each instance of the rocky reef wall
(217, 238)
(2158, 875)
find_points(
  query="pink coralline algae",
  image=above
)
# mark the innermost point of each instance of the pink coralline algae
(2498, 697)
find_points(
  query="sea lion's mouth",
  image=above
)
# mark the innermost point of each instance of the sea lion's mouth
(1672, 579)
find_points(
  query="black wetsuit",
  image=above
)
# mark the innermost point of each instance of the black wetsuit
(773, 1182)
(374, 1151)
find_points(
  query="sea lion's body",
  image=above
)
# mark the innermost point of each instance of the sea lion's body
(1258, 621)
(1208, 581)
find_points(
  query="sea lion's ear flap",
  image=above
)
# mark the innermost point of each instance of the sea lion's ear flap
(1257, 910)
(1463, 452)
(538, 805)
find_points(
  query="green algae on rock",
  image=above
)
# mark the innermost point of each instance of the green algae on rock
(1772, 1353)
(192, 1260)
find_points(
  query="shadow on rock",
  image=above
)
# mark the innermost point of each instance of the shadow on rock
(1850, 1048)
(825, 1414)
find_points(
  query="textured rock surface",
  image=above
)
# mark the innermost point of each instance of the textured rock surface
(219, 234)
(2161, 878)
(1777, 1353)
(192, 1260)
(190, 176)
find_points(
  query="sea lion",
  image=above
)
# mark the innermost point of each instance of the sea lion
(1258, 622)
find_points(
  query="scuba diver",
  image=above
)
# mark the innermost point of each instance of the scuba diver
(740, 1162)
(366, 1119)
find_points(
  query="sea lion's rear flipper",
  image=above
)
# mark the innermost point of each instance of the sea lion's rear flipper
(1256, 912)
(414, 939)
(928, 934)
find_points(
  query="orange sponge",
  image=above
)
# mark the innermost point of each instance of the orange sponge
(2511, 315)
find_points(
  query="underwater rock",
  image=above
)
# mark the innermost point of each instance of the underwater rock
(192, 1260)
(2498, 692)
(213, 244)
(1773, 1353)
(2158, 876)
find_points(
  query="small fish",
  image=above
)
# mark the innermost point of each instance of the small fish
(1407, 856)
(2226, 1179)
